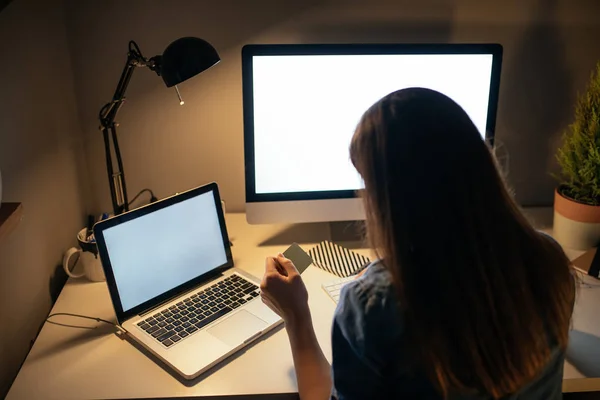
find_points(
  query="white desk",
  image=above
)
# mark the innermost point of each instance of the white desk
(67, 363)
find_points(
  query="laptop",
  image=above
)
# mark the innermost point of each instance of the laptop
(172, 282)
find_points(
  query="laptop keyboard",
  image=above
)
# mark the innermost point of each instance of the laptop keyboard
(193, 313)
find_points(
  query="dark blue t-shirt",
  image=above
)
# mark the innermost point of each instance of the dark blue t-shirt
(367, 340)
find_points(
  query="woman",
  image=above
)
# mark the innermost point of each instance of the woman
(468, 301)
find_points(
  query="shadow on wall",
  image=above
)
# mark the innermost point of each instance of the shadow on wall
(382, 23)
(406, 32)
(56, 282)
(539, 85)
(99, 54)
(213, 101)
(4, 3)
(584, 353)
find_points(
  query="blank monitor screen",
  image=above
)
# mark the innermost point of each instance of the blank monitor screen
(164, 249)
(302, 104)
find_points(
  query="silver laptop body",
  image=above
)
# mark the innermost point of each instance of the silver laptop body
(169, 270)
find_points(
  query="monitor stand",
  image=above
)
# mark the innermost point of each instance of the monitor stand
(350, 234)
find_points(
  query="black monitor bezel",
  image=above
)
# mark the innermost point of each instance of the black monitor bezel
(100, 227)
(248, 51)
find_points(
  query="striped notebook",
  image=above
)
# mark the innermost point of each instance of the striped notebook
(337, 259)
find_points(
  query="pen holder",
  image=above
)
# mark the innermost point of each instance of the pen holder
(88, 259)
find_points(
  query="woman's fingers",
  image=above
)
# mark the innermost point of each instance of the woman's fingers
(282, 289)
(287, 264)
(270, 265)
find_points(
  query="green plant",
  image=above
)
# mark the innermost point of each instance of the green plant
(579, 155)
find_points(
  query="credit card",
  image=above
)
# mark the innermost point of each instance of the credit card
(299, 257)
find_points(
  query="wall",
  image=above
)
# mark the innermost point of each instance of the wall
(40, 160)
(550, 48)
(4, 3)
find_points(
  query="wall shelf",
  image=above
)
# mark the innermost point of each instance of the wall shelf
(10, 216)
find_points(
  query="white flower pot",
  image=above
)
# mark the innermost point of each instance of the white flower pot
(576, 225)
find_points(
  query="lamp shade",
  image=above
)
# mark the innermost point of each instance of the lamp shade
(185, 58)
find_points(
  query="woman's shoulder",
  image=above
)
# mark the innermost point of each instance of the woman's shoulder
(367, 305)
(372, 290)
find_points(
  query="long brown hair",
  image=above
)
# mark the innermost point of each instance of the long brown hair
(484, 295)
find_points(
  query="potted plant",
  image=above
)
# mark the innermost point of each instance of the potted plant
(577, 198)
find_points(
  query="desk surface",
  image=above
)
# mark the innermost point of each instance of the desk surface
(68, 363)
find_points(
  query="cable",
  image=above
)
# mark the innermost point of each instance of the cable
(81, 316)
(103, 110)
(152, 197)
(133, 46)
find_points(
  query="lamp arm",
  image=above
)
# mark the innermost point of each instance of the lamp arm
(107, 115)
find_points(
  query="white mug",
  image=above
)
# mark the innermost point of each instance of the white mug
(88, 258)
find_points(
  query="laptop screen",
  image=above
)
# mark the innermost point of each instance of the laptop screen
(161, 250)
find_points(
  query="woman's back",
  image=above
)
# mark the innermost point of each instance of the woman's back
(485, 300)
(372, 358)
(467, 300)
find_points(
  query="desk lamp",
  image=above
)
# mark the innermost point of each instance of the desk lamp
(181, 60)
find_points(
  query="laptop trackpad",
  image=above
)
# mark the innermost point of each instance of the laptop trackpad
(237, 328)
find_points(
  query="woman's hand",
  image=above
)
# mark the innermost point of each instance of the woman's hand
(283, 290)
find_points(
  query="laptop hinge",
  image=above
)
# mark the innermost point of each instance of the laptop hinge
(159, 305)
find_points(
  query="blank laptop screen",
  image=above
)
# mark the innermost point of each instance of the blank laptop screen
(159, 251)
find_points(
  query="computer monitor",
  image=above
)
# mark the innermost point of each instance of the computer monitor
(302, 104)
